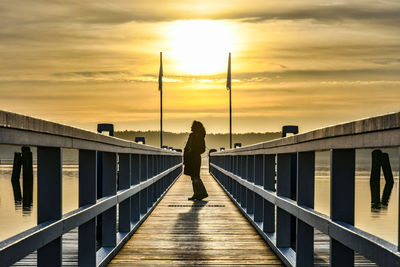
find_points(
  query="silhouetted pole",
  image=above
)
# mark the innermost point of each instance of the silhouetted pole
(160, 75)
(229, 88)
(16, 173)
(27, 178)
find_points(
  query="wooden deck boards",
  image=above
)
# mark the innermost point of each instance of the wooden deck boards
(182, 232)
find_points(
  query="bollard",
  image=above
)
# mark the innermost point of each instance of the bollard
(140, 139)
(106, 127)
(294, 129)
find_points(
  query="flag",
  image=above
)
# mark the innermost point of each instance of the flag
(160, 75)
(229, 78)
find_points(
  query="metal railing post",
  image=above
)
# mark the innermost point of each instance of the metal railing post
(135, 169)
(87, 196)
(143, 168)
(283, 227)
(269, 184)
(135, 179)
(258, 180)
(342, 201)
(49, 205)
(124, 183)
(305, 197)
(143, 177)
(250, 178)
(150, 192)
(109, 220)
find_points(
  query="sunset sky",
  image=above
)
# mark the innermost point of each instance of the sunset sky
(310, 63)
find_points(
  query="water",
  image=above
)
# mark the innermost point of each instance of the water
(382, 223)
(13, 217)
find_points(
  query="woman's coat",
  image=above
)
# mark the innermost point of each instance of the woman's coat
(195, 146)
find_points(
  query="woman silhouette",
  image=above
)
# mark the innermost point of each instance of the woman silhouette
(195, 146)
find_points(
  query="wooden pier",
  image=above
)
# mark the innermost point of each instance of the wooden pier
(184, 233)
(246, 220)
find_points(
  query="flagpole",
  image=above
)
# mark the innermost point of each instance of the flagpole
(229, 87)
(161, 107)
(230, 115)
(161, 118)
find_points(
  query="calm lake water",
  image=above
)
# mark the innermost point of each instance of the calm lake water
(383, 223)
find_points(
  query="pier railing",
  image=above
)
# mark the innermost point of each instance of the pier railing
(277, 177)
(130, 177)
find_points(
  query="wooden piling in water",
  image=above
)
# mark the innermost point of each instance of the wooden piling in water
(27, 178)
(16, 173)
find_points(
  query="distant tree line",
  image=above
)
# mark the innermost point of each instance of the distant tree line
(178, 140)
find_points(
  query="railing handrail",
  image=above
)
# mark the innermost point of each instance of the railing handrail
(308, 141)
(26, 241)
(67, 136)
(317, 220)
(113, 174)
(279, 175)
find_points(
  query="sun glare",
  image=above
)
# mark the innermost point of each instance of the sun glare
(201, 47)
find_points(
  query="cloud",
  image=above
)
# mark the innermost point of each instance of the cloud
(287, 75)
(117, 12)
(90, 74)
(355, 75)
(386, 61)
(98, 60)
(327, 14)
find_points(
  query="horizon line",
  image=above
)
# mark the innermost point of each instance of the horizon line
(157, 131)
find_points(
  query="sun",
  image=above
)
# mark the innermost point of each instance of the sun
(201, 47)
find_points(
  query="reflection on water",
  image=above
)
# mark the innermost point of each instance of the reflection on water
(15, 218)
(380, 222)
(18, 208)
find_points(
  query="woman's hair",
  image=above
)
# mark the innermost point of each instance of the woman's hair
(198, 128)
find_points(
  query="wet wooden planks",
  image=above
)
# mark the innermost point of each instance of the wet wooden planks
(182, 232)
